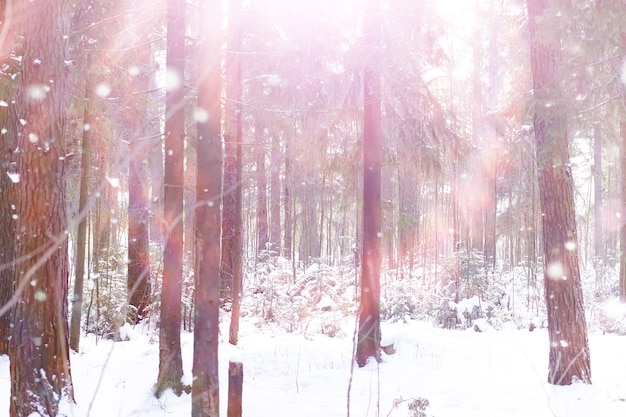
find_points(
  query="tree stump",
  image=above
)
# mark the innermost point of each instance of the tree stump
(235, 388)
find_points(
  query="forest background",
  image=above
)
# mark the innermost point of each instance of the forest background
(461, 220)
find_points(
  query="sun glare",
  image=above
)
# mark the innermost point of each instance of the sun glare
(459, 16)
(460, 12)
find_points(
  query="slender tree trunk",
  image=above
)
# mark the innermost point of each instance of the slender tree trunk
(136, 121)
(261, 184)
(229, 213)
(598, 245)
(309, 240)
(139, 285)
(39, 347)
(156, 169)
(205, 388)
(233, 126)
(622, 240)
(622, 234)
(170, 355)
(287, 203)
(275, 195)
(567, 328)
(81, 234)
(368, 343)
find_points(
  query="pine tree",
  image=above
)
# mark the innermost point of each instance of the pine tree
(170, 355)
(39, 346)
(205, 388)
(368, 344)
(569, 349)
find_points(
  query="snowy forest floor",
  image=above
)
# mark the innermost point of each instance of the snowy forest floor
(460, 373)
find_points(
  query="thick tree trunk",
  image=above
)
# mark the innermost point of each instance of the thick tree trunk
(7, 222)
(39, 347)
(368, 343)
(567, 328)
(170, 356)
(7, 240)
(205, 388)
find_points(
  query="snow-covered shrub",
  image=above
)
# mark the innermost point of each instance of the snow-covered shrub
(410, 407)
(188, 297)
(600, 284)
(466, 274)
(612, 317)
(472, 312)
(311, 303)
(418, 406)
(471, 290)
(105, 306)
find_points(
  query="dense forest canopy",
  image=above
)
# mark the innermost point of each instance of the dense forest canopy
(172, 162)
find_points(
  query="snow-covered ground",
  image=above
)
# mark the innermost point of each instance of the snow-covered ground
(460, 373)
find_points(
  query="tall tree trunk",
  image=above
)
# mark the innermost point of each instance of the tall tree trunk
(309, 238)
(232, 230)
(170, 355)
(622, 186)
(598, 244)
(287, 203)
(261, 184)
(83, 220)
(368, 343)
(7, 211)
(567, 328)
(157, 173)
(138, 283)
(275, 165)
(136, 121)
(205, 388)
(39, 346)
(7, 240)
(622, 234)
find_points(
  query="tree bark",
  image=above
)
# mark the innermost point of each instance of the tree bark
(136, 123)
(232, 245)
(205, 388)
(261, 183)
(287, 202)
(139, 286)
(622, 234)
(598, 241)
(368, 343)
(567, 328)
(39, 347)
(170, 355)
(275, 165)
(83, 220)
(7, 210)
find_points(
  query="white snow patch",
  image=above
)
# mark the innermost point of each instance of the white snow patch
(460, 373)
(326, 303)
(14, 177)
